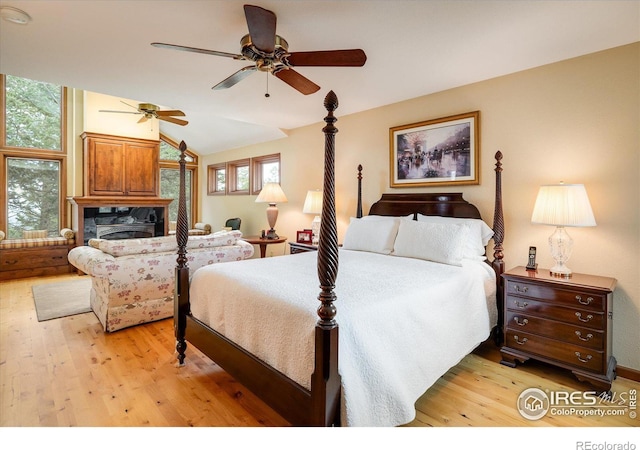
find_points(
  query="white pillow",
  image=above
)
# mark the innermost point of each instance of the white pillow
(438, 242)
(377, 217)
(371, 235)
(478, 238)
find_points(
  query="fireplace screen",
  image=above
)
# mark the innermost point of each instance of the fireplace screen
(125, 231)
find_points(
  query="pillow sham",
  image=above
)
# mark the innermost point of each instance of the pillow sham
(478, 237)
(438, 242)
(378, 217)
(375, 236)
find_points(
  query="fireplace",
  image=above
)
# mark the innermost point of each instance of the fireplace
(125, 231)
(119, 217)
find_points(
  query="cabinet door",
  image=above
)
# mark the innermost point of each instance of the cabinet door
(106, 168)
(141, 169)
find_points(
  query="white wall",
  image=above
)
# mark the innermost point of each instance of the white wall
(575, 121)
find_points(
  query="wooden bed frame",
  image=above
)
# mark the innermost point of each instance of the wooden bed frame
(319, 406)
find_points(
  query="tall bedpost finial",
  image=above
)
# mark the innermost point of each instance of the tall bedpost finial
(325, 380)
(181, 294)
(359, 206)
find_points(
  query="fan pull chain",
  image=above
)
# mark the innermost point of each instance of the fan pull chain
(267, 95)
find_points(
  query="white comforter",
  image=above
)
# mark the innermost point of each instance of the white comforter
(402, 322)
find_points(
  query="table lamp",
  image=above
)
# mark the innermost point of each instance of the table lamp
(313, 205)
(562, 205)
(271, 193)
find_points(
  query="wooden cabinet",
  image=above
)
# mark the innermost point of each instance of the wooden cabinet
(120, 166)
(296, 247)
(34, 261)
(567, 322)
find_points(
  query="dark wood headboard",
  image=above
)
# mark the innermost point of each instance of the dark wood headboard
(429, 204)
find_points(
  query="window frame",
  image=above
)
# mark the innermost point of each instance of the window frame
(7, 152)
(212, 179)
(191, 166)
(232, 176)
(257, 164)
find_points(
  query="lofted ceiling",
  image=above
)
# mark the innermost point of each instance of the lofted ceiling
(413, 48)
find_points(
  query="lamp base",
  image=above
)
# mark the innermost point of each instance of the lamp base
(271, 234)
(560, 271)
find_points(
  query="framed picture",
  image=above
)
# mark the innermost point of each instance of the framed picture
(304, 237)
(442, 151)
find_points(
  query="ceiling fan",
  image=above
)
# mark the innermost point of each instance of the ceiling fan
(150, 111)
(270, 53)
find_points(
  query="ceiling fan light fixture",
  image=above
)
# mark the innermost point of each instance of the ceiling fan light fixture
(14, 15)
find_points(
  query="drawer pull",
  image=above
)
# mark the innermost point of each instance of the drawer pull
(581, 359)
(12, 262)
(520, 289)
(521, 306)
(586, 339)
(522, 323)
(584, 302)
(579, 316)
(520, 342)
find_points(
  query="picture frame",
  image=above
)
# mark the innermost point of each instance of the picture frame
(304, 237)
(438, 152)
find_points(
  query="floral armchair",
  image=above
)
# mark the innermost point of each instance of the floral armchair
(133, 279)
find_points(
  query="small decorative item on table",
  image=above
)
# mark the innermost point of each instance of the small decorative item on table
(304, 237)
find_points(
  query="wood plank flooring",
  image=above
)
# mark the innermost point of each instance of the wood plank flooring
(67, 372)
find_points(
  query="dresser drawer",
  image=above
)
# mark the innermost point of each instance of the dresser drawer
(571, 334)
(583, 318)
(16, 259)
(577, 298)
(574, 355)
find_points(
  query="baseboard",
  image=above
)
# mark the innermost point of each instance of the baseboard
(629, 374)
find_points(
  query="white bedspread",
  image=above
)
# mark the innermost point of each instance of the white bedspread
(402, 322)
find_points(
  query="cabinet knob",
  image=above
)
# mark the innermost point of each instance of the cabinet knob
(522, 305)
(520, 289)
(581, 359)
(579, 316)
(522, 323)
(588, 338)
(520, 342)
(584, 302)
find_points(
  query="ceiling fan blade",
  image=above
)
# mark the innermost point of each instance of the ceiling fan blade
(121, 112)
(235, 78)
(196, 50)
(173, 120)
(143, 119)
(262, 27)
(345, 58)
(131, 106)
(296, 81)
(170, 112)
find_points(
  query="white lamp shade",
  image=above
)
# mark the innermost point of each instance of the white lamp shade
(271, 193)
(313, 203)
(564, 205)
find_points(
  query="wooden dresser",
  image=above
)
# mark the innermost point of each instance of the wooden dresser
(34, 261)
(567, 322)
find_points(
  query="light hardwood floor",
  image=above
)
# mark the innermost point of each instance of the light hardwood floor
(68, 372)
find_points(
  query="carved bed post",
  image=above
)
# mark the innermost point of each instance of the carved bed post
(359, 207)
(325, 381)
(498, 238)
(181, 294)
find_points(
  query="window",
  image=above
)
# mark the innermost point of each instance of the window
(238, 176)
(32, 149)
(217, 179)
(266, 169)
(170, 178)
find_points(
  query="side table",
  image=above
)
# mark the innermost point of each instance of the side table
(263, 242)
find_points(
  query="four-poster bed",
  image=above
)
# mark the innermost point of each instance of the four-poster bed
(299, 376)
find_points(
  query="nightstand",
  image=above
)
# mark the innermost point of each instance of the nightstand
(297, 247)
(567, 322)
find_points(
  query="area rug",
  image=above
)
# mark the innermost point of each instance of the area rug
(67, 298)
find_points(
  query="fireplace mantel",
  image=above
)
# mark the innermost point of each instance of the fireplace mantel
(79, 204)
